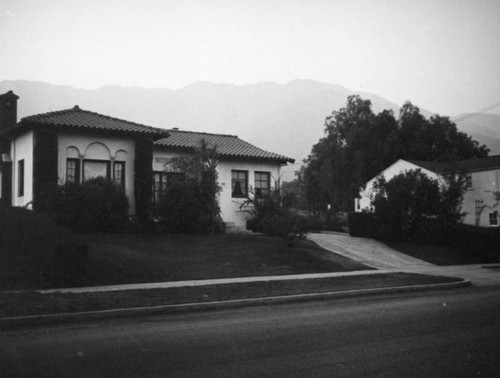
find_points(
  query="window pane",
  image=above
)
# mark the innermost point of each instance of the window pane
(20, 189)
(239, 183)
(93, 169)
(262, 183)
(119, 173)
(72, 171)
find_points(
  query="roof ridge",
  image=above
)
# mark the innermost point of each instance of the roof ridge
(77, 109)
(201, 133)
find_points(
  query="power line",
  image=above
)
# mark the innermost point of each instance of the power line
(475, 114)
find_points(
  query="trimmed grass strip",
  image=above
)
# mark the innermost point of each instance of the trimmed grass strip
(32, 303)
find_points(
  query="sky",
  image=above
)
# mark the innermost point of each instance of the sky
(443, 56)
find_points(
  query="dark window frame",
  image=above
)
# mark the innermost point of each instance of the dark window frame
(76, 174)
(239, 184)
(121, 180)
(20, 178)
(493, 218)
(108, 168)
(259, 190)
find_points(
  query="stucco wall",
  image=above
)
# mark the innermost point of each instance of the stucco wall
(484, 186)
(230, 207)
(22, 148)
(83, 146)
(397, 168)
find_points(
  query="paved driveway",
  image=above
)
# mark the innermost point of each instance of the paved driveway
(367, 251)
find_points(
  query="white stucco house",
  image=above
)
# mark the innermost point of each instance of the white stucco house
(481, 203)
(76, 144)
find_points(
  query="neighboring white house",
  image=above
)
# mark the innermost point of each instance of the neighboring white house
(481, 202)
(75, 145)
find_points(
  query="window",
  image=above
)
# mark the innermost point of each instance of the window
(468, 182)
(119, 173)
(20, 178)
(159, 185)
(262, 184)
(95, 168)
(239, 184)
(175, 178)
(73, 170)
(494, 218)
(163, 181)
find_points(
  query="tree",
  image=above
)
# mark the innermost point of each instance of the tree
(190, 204)
(407, 201)
(359, 144)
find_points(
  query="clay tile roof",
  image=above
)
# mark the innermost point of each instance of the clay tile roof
(227, 145)
(77, 118)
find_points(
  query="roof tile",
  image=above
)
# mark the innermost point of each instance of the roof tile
(83, 119)
(227, 145)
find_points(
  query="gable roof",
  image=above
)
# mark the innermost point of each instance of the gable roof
(469, 165)
(79, 119)
(227, 145)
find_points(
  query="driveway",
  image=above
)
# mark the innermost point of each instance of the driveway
(367, 251)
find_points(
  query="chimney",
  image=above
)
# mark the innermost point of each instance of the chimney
(8, 110)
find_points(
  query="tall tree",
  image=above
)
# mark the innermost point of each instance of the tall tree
(358, 144)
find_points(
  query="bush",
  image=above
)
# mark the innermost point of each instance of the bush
(97, 205)
(363, 225)
(290, 227)
(29, 242)
(477, 241)
(190, 203)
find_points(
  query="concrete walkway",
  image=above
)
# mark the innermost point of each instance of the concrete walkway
(367, 251)
(378, 255)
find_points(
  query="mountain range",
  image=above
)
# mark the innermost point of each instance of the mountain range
(283, 118)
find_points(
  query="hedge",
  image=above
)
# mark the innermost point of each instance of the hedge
(480, 241)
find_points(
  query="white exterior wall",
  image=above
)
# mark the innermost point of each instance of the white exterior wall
(85, 146)
(484, 186)
(22, 148)
(397, 168)
(230, 207)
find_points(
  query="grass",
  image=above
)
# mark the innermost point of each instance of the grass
(121, 259)
(33, 303)
(440, 255)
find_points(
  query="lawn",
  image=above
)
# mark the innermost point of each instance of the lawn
(32, 303)
(121, 258)
(441, 255)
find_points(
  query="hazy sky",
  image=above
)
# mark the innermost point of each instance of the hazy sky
(442, 55)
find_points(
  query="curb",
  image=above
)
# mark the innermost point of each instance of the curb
(38, 320)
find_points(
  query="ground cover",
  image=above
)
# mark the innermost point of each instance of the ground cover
(32, 303)
(122, 259)
(440, 255)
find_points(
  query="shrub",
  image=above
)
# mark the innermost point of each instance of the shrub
(363, 225)
(95, 205)
(479, 241)
(189, 203)
(29, 242)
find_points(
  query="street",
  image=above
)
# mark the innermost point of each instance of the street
(453, 333)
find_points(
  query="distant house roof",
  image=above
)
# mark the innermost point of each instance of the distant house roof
(79, 119)
(227, 145)
(469, 165)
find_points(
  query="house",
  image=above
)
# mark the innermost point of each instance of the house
(481, 202)
(76, 145)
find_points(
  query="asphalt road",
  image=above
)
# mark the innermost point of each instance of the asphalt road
(441, 334)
